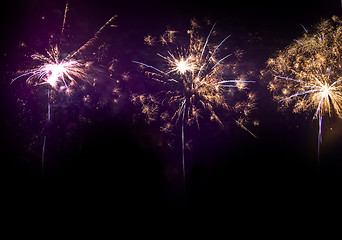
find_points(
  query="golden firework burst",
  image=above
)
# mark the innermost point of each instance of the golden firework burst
(307, 74)
(199, 78)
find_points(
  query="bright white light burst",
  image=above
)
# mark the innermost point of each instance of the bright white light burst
(59, 74)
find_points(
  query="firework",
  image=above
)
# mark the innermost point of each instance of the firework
(60, 74)
(199, 80)
(307, 74)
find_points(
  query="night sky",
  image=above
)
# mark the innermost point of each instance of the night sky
(104, 157)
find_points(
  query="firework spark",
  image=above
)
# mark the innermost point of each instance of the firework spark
(59, 74)
(307, 74)
(198, 80)
(66, 9)
(54, 71)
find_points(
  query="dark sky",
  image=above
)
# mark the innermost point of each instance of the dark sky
(117, 161)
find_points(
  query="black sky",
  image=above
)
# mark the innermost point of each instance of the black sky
(227, 169)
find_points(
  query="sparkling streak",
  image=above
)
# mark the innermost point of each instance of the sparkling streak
(319, 140)
(149, 66)
(183, 141)
(220, 60)
(219, 46)
(65, 15)
(304, 28)
(92, 40)
(206, 41)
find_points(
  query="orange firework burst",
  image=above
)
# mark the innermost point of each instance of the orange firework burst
(307, 74)
(199, 81)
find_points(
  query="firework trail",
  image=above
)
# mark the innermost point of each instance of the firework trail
(59, 74)
(307, 74)
(198, 80)
(66, 10)
(92, 40)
